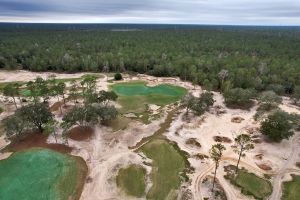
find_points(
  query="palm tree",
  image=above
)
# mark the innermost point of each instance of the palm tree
(216, 153)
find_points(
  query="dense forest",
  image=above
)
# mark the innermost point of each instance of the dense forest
(219, 58)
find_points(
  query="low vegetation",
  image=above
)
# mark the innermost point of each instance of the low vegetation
(291, 189)
(166, 172)
(45, 174)
(133, 96)
(132, 180)
(249, 183)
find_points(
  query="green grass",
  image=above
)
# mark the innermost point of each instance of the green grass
(291, 189)
(132, 180)
(40, 174)
(3, 84)
(26, 93)
(167, 166)
(135, 95)
(120, 123)
(252, 184)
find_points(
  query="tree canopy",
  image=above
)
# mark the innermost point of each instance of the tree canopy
(277, 126)
(219, 58)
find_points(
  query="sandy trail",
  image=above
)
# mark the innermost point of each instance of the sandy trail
(292, 159)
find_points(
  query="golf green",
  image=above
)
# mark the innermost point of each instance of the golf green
(41, 174)
(140, 88)
(133, 96)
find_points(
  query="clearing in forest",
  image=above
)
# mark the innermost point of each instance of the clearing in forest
(39, 174)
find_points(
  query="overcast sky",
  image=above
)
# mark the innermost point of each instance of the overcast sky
(236, 12)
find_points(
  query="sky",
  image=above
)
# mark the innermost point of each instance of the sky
(223, 12)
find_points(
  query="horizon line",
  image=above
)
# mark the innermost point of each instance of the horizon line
(132, 23)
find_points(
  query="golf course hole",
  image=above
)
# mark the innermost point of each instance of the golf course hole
(167, 167)
(42, 174)
(135, 95)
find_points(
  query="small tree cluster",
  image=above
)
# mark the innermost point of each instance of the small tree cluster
(239, 98)
(29, 117)
(268, 102)
(198, 105)
(36, 115)
(277, 126)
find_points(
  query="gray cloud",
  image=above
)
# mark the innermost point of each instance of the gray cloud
(260, 12)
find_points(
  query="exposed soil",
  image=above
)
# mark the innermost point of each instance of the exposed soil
(259, 156)
(257, 141)
(200, 156)
(56, 106)
(264, 167)
(32, 140)
(81, 133)
(193, 142)
(237, 119)
(222, 139)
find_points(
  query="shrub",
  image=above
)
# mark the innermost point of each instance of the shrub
(277, 126)
(118, 76)
(269, 97)
(239, 98)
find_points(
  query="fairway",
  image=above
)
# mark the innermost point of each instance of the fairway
(133, 96)
(167, 166)
(291, 189)
(41, 174)
(132, 180)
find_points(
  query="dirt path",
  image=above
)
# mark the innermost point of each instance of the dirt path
(292, 159)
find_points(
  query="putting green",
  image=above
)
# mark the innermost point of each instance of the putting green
(140, 88)
(133, 96)
(41, 174)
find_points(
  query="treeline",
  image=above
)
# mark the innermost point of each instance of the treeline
(218, 59)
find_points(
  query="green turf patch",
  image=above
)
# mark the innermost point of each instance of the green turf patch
(132, 180)
(251, 184)
(168, 164)
(120, 123)
(135, 95)
(41, 174)
(291, 189)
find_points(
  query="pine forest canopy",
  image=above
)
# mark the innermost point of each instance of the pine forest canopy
(217, 57)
